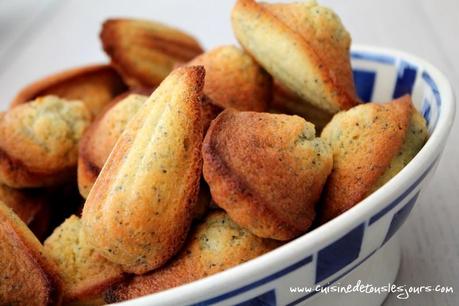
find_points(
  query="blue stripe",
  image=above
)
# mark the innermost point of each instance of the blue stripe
(340, 253)
(400, 198)
(405, 79)
(428, 79)
(383, 59)
(426, 111)
(365, 83)
(265, 299)
(260, 282)
(399, 217)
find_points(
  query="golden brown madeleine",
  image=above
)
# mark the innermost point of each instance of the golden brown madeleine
(101, 136)
(266, 170)
(145, 52)
(39, 142)
(234, 79)
(371, 143)
(139, 210)
(31, 206)
(302, 45)
(95, 85)
(286, 102)
(85, 273)
(214, 245)
(28, 276)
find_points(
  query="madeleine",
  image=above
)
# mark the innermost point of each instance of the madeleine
(39, 142)
(28, 276)
(267, 171)
(145, 52)
(94, 85)
(304, 46)
(140, 208)
(371, 143)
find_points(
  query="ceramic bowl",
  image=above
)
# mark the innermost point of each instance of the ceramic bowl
(361, 244)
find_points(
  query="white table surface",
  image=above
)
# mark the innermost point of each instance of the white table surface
(40, 37)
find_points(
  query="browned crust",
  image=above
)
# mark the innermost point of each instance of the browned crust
(173, 235)
(17, 175)
(112, 39)
(45, 86)
(31, 206)
(246, 205)
(26, 243)
(346, 97)
(364, 157)
(88, 168)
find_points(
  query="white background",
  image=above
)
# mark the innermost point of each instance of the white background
(41, 37)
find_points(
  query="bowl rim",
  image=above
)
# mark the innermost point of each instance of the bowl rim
(292, 251)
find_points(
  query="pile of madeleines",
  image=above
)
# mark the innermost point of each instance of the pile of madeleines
(173, 163)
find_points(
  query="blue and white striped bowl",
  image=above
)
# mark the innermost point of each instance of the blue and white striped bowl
(359, 244)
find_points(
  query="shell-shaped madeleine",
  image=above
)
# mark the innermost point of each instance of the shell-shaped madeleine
(39, 141)
(94, 85)
(101, 136)
(139, 210)
(371, 143)
(214, 245)
(266, 170)
(303, 46)
(85, 273)
(234, 79)
(145, 52)
(28, 276)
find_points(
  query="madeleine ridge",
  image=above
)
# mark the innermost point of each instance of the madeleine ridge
(214, 245)
(139, 210)
(144, 52)
(266, 170)
(371, 143)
